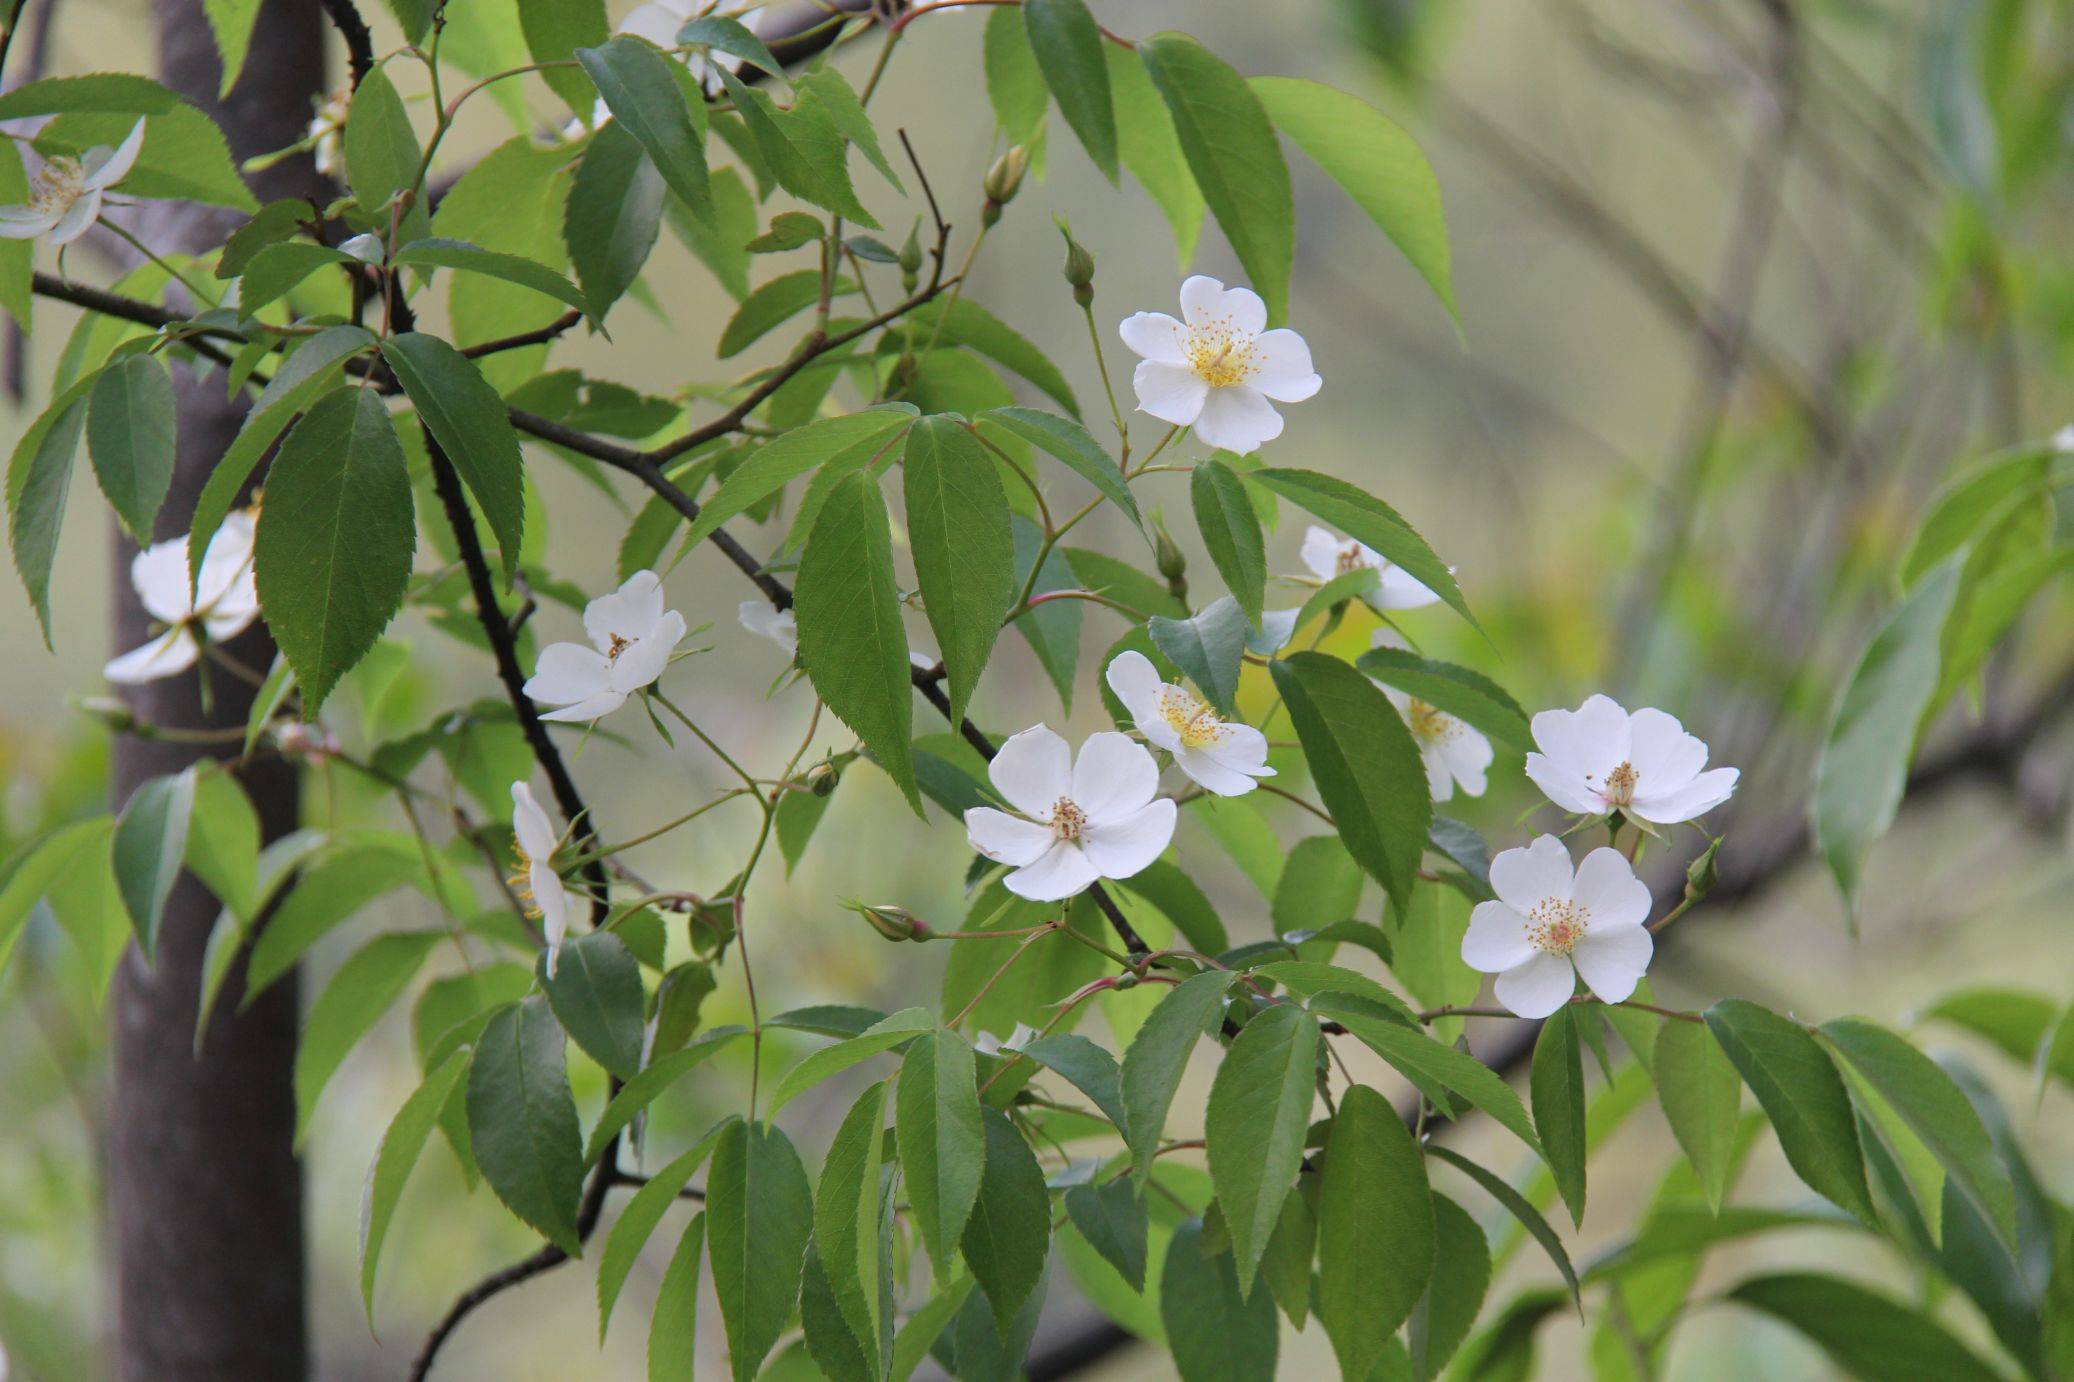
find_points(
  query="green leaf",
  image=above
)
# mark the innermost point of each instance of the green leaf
(468, 421)
(230, 23)
(1009, 1234)
(277, 270)
(771, 304)
(131, 433)
(826, 90)
(770, 468)
(553, 34)
(1375, 1229)
(522, 1120)
(1231, 532)
(223, 841)
(1430, 1065)
(963, 322)
(332, 556)
(897, 1030)
(39, 481)
(722, 245)
(399, 1151)
(1231, 149)
(1800, 1091)
(1157, 1058)
(1151, 150)
(1209, 649)
(925, 1326)
(1260, 1108)
(636, 1222)
(663, 1072)
(614, 209)
(328, 891)
(1557, 1083)
(1702, 1098)
(1469, 696)
(300, 380)
(759, 1215)
(1517, 1205)
(382, 151)
(1872, 735)
(1177, 896)
(1936, 1110)
(1112, 1218)
(730, 36)
(150, 843)
(804, 147)
(1454, 1295)
(849, 1212)
(1867, 1335)
(57, 855)
(1092, 1070)
(116, 91)
(1287, 1267)
(1370, 521)
(638, 87)
(1218, 1332)
(463, 257)
(1426, 952)
(1015, 84)
(1374, 162)
(1070, 444)
(1365, 762)
(1319, 887)
(597, 996)
(964, 549)
(1068, 46)
(942, 1143)
(673, 1328)
(355, 999)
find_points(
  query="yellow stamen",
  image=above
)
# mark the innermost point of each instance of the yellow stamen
(1556, 926)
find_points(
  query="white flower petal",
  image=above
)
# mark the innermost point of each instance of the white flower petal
(1603, 733)
(1467, 754)
(1524, 878)
(656, 22)
(1664, 756)
(1613, 962)
(584, 711)
(1496, 939)
(1440, 783)
(1004, 838)
(553, 901)
(1563, 787)
(1154, 336)
(1538, 987)
(159, 574)
(536, 833)
(25, 222)
(1241, 748)
(1237, 419)
(1059, 874)
(1032, 771)
(78, 218)
(568, 673)
(113, 165)
(1282, 366)
(1320, 552)
(1609, 892)
(172, 652)
(1695, 798)
(1123, 845)
(645, 659)
(1171, 393)
(1202, 300)
(780, 626)
(631, 612)
(1136, 683)
(1397, 588)
(1212, 776)
(1113, 776)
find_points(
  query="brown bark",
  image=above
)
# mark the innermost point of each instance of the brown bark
(205, 1193)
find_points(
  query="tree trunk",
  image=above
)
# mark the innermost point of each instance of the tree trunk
(205, 1193)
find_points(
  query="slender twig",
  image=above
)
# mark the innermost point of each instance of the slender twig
(539, 335)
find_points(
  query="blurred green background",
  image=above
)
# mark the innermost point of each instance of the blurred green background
(1675, 449)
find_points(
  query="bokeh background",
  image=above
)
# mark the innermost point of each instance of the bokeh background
(1739, 283)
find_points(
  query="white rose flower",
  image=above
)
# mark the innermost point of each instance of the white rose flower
(1548, 918)
(65, 195)
(1598, 759)
(986, 1043)
(537, 883)
(1223, 757)
(766, 620)
(1327, 556)
(1080, 820)
(1452, 752)
(1218, 368)
(219, 607)
(632, 637)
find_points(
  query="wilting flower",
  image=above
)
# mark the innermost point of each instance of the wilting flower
(65, 195)
(537, 883)
(1080, 820)
(1548, 918)
(218, 607)
(1598, 759)
(327, 133)
(986, 1043)
(1223, 757)
(766, 620)
(1217, 369)
(1327, 556)
(632, 637)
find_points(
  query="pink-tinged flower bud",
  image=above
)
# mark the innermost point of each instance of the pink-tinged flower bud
(894, 923)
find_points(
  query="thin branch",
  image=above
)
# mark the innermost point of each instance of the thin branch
(540, 335)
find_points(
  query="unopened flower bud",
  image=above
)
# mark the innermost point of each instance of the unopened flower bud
(115, 714)
(1168, 556)
(295, 739)
(911, 258)
(821, 779)
(1079, 269)
(1003, 181)
(1702, 874)
(894, 923)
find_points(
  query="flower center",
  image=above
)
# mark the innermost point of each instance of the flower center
(1620, 785)
(1191, 719)
(1350, 559)
(1556, 926)
(522, 881)
(58, 184)
(1431, 726)
(1067, 819)
(619, 645)
(1220, 355)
